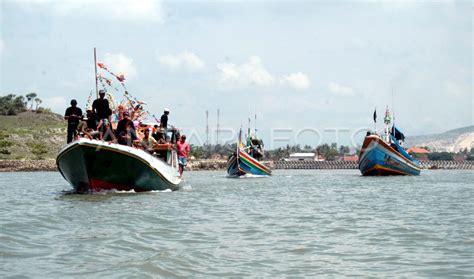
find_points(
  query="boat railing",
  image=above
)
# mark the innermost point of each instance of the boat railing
(402, 150)
(173, 159)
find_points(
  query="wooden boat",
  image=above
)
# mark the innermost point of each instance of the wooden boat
(94, 165)
(383, 155)
(244, 161)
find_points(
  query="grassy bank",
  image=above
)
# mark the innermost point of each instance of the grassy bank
(31, 135)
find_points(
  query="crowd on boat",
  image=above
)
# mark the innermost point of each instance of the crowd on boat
(156, 139)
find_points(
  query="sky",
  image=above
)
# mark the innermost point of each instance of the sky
(312, 71)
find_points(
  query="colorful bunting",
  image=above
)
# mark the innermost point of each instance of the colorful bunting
(131, 104)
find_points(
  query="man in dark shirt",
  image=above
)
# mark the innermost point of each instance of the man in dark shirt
(73, 115)
(125, 131)
(164, 119)
(155, 133)
(101, 107)
(91, 120)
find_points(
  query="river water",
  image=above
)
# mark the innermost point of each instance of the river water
(294, 224)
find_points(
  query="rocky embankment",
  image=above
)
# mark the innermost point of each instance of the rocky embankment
(50, 165)
(27, 165)
(199, 165)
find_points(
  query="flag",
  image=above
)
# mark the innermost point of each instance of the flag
(120, 77)
(375, 116)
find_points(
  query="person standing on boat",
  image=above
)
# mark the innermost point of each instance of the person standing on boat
(73, 115)
(101, 107)
(164, 120)
(183, 149)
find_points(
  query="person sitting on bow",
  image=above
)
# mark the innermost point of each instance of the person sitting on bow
(148, 143)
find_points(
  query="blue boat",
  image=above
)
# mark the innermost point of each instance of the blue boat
(383, 155)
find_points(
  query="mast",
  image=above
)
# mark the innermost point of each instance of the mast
(249, 135)
(217, 130)
(387, 121)
(393, 112)
(95, 67)
(375, 120)
(255, 123)
(207, 127)
(239, 143)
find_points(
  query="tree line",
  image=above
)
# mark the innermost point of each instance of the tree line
(12, 104)
(222, 151)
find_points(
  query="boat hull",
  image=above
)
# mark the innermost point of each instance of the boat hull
(243, 164)
(90, 165)
(377, 158)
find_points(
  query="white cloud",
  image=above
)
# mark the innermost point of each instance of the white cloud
(252, 72)
(134, 10)
(56, 104)
(120, 64)
(457, 88)
(339, 89)
(185, 59)
(299, 81)
(395, 4)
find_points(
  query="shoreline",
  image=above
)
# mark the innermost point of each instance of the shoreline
(209, 164)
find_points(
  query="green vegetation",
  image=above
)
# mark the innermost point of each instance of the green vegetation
(12, 104)
(26, 133)
(328, 151)
(38, 149)
(222, 151)
(212, 151)
(30, 97)
(5, 144)
(440, 156)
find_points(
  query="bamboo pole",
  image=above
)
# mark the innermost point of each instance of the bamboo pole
(95, 67)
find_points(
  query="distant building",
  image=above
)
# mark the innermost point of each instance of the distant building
(418, 153)
(302, 156)
(417, 150)
(350, 158)
(459, 157)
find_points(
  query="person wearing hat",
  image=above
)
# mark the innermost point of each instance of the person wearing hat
(73, 115)
(164, 119)
(101, 107)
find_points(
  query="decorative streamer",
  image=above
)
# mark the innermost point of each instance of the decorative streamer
(132, 105)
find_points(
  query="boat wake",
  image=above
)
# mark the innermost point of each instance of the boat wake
(186, 187)
(248, 176)
(113, 192)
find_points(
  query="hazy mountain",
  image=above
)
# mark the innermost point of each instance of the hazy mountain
(451, 141)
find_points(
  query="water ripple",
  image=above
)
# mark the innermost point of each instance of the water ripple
(294, 224)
